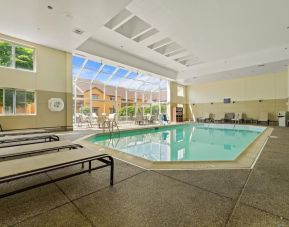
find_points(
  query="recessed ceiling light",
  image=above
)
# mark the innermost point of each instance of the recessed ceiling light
(78, 31)
(50, 7)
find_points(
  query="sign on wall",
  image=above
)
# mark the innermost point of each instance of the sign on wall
(55, 104)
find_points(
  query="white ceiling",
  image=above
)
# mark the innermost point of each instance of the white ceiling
(31, 20)
(221, 36)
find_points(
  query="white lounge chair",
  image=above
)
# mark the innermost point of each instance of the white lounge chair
(238, 117)
(139, 118)
(263, 118)
(220, 117)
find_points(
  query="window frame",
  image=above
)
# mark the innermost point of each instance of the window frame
(93, 97)
(13, 57)
(14, 103)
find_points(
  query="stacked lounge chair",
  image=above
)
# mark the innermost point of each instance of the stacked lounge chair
(18, 166)
(18, 140)
(22, 132)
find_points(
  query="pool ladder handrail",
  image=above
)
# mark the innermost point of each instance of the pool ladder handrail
(111, 125)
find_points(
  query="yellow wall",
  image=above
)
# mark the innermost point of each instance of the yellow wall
(103, 107)
(271, 86)
(175, 99)
(51, 79)
(272, 89)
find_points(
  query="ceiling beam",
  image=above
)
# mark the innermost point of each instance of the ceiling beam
(96, 74)
(141, 33)
(111, 75)
(160, 43)
(81, 69)
(122, 22)
(124, 77)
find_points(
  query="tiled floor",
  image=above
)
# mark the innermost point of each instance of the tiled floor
(258, 197)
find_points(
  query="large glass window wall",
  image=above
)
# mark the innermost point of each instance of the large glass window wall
(102, 89)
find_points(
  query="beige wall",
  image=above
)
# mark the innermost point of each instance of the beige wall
(272, 89)
(175, 99)
(51, 79)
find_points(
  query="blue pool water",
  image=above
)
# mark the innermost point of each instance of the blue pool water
(187, 142)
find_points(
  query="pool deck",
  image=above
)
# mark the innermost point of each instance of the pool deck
(232, 197)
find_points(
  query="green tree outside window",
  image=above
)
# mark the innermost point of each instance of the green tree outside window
(5, 54)
(24, 58)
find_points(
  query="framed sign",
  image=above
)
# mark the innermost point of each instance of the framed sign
(55, 104)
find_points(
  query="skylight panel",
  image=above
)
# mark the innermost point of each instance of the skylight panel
(87, 74)
(92, 65)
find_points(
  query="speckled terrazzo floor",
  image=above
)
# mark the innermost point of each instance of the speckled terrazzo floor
(258, 197)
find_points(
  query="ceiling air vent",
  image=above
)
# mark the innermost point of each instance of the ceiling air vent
(78, 31)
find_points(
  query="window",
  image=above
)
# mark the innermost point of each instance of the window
(13, 102)
(1, 101)
(95, 110)
(95, 97)
(8, 101)
(180, 91)
(112, 98)
(5, 54)
(112, 110)
(16, 56)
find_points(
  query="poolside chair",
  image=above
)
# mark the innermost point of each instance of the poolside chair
(237, 118)
(229, 117)
(263, 117)
(220, 117)
(139, 118)
(163, 119)
(149, 118)
(205, 117)
(94, 118)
